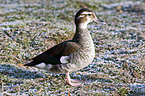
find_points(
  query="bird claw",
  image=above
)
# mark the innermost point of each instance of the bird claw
(72, 81)
(74, 84)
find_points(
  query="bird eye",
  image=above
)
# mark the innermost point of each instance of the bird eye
(89, 14)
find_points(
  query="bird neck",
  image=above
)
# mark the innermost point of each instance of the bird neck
(82, 25)
(82, 34)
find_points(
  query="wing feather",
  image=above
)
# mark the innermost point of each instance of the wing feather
(53, 55)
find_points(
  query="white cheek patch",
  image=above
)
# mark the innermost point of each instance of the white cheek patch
(84, 13)
(64, 59)
(80, 16)
(89, 19)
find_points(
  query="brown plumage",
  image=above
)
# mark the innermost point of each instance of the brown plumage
(53, 55)
(73, 54)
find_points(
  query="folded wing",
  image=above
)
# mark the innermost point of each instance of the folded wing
(53, 55)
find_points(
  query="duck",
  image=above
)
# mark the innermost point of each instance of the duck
(71, 55)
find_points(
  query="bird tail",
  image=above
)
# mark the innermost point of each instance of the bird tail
(32, 63)
(27, 64)
(21, 64)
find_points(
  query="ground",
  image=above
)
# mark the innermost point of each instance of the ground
(28, 28)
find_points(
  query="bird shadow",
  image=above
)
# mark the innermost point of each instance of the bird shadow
(13, 72)
(91, 78)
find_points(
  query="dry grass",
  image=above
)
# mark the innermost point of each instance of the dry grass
(29, 28)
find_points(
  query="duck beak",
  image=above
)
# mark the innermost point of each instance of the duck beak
(99, 21)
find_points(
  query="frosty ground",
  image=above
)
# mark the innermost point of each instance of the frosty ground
(28, 28)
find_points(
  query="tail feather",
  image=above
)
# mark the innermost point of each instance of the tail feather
(21, 64)
(29, 64)
(32, 63)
